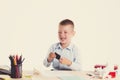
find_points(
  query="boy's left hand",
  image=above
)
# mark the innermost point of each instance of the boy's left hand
(65, 61)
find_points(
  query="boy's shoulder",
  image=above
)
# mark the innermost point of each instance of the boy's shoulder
(73, 45)
(55, 44)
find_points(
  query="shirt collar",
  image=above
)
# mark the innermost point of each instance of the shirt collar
(60, 47)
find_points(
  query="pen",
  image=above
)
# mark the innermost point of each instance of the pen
(17, 59)
(22, 60)
(15, 63)
(11, 60)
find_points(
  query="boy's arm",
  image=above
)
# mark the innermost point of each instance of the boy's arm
(73, 65)
(46, 62)
(77, 60)
(49, 59)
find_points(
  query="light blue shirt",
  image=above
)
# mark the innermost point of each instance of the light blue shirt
(71, 53)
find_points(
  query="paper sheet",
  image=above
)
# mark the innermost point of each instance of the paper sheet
(71, 78)
(56, 73)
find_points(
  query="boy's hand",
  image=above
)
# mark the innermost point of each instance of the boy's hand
(65, 61)
(51, 56)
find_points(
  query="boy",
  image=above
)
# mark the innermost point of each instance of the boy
(68, 59)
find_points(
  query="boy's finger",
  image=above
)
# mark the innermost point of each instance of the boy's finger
(60, 60)
(52, 55)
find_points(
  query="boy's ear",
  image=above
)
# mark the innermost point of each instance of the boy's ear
(74, 33)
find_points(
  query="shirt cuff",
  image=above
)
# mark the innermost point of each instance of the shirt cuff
(46, 63)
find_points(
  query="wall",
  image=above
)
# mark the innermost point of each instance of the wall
(29, 27)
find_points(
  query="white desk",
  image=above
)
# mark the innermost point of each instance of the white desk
(82, 74)
(53, 75)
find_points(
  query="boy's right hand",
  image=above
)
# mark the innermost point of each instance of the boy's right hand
(51, 56)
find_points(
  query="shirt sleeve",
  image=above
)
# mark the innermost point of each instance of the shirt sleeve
(76, 62)
(45, 62)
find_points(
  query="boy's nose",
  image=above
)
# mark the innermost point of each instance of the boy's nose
(62, 34)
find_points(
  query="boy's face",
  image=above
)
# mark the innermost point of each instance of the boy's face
(65, 33)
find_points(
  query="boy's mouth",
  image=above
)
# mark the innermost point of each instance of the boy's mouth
(62, 39)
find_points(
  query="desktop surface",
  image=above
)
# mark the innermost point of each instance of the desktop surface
(57, 75)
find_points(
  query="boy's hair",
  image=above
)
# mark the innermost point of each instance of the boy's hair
(67, 22)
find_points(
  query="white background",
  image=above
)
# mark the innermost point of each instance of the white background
(29, 27)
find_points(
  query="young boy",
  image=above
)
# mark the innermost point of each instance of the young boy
(69, 58)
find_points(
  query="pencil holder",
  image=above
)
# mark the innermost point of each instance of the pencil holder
(16, 71)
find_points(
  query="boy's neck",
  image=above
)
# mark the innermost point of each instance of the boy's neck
(64, 45)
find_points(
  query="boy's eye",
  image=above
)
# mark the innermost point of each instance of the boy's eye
(59, 32)
(65, 32)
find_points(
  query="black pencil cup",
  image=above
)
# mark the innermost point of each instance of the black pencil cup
(16, 71)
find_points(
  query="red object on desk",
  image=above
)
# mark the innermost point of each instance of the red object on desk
(112, 74)
(115, 67)
(97, 66)
(103, 66)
